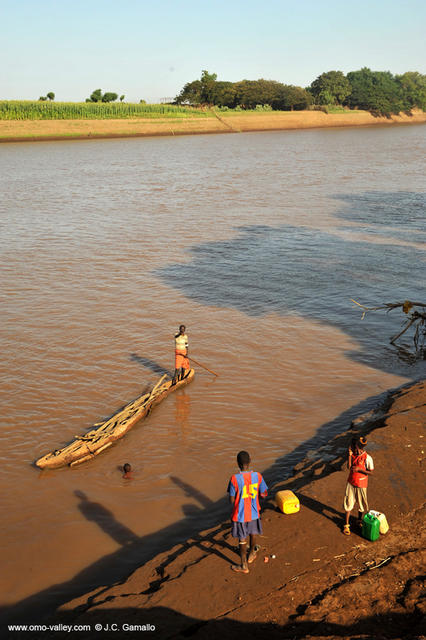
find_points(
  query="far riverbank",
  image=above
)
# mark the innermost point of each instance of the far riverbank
(235, 122)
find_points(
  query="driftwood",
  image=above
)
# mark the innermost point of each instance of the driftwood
(416, 316)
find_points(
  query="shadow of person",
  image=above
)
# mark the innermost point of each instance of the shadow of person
(208, 542)
(192, 492)
(323, 509)
(150, 364)
(105, 520)
(191, 510)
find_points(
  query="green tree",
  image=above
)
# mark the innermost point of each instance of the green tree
(198, 92)
(331, 87)
(375, 91)
(190, 94)
(269, 91)
(249, 93)
(297, 98)
(43, 98)
(51, 95)
(208, 85)
(326, 97)
(224, 94)
(413, 87)
(109, 96)
(96, 95)
(362, 88)
(122, 98)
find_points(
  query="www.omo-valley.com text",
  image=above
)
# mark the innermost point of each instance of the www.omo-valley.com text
(69, 628)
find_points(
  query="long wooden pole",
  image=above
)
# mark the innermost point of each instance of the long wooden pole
(201, 365)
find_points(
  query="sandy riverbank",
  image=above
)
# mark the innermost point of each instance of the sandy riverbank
(34, 130)
(321, 584)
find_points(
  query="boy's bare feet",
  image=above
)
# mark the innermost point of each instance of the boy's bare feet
(252, 555)
(239, 569)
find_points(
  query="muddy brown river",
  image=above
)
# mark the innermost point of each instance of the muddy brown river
(257, 242)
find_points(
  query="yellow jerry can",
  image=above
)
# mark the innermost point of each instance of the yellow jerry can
(287, 501)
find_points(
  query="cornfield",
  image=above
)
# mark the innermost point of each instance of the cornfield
(37, 110)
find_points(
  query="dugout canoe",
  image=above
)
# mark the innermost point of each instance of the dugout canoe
(92, 443)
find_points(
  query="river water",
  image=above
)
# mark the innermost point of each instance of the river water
(257, 242)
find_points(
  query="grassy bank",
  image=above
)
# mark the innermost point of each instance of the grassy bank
(186, 122)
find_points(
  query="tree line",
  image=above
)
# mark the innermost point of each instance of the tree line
(96, 96)
(108, 96)
(379, 92)
(49, 96)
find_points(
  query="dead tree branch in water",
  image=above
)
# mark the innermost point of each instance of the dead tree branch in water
(414, 317)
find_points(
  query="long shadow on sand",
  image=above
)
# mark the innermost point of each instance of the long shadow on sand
(136, 551)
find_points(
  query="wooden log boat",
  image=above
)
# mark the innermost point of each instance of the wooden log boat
(92, 443)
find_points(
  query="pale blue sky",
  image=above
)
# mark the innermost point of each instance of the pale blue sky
(147, 49)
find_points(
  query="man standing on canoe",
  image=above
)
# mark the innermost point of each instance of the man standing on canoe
(182, 366)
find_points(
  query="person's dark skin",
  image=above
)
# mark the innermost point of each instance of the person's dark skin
(127, 471)
(243, 568)
(179, 374)
(358, 449)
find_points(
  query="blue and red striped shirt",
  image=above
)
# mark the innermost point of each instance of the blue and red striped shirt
(245, 487)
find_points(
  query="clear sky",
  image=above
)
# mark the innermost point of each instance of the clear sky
(148, 49)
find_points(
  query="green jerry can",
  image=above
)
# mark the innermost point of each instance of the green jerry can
(370, 527)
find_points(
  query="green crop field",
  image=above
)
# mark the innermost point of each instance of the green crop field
(38, 110)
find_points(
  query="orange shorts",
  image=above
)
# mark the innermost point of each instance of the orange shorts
(181, 361)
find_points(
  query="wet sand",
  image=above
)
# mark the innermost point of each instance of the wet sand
(320, 584)
(34, 130)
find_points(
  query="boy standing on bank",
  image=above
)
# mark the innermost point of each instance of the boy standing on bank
(361, 466)
(244, 489)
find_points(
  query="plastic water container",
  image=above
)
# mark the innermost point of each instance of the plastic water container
(370, 527)
(384, 527)
(287, 501)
